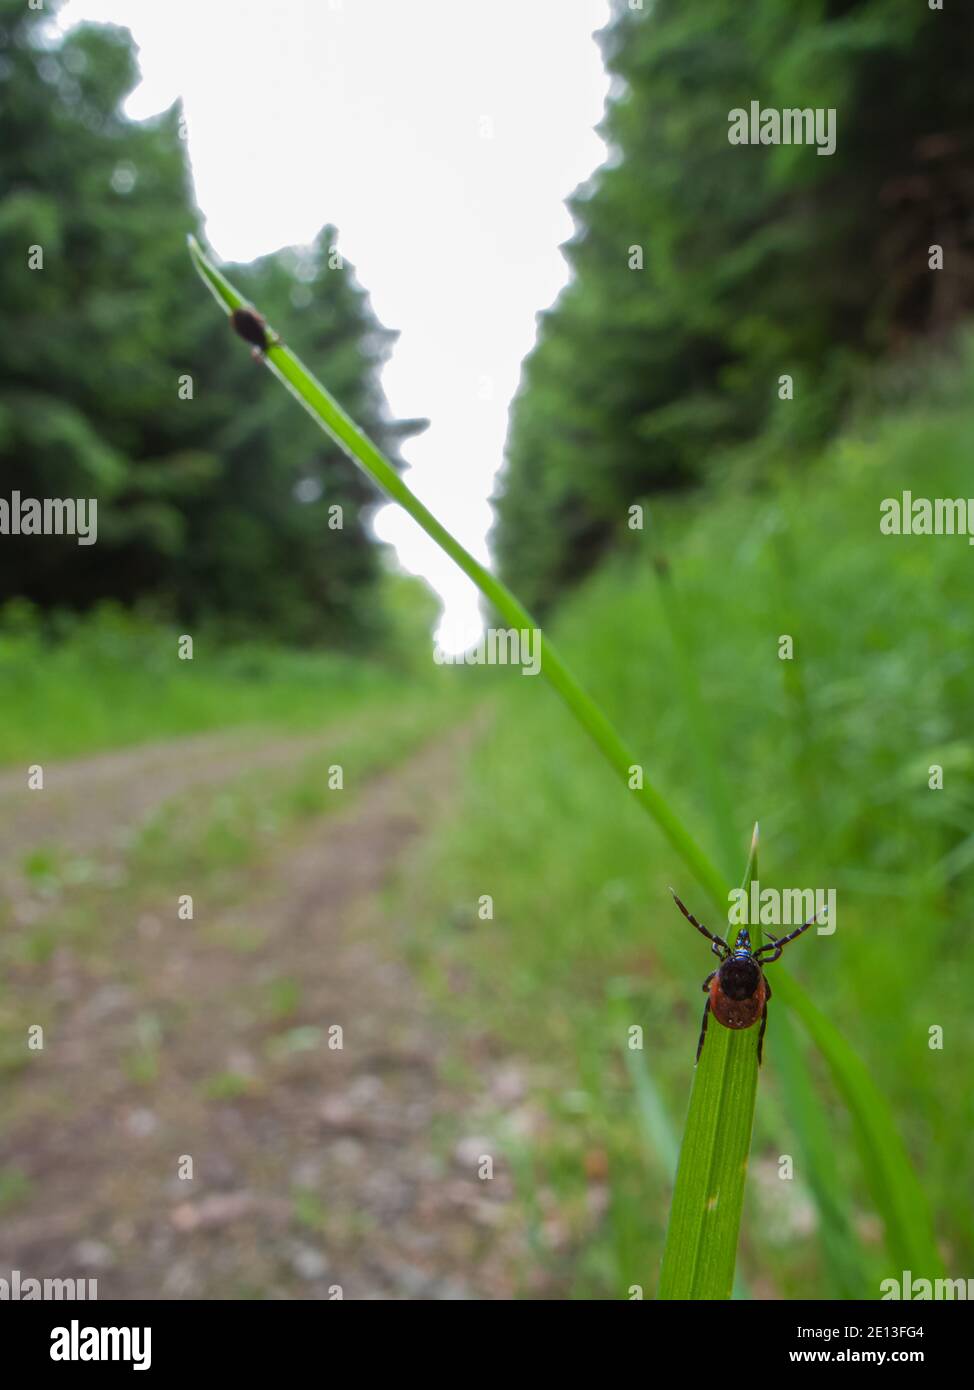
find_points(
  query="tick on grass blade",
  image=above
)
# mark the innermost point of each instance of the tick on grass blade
(737, 992)
(252, 327)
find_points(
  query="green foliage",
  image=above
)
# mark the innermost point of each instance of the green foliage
(832, 751)
(757, 261)
(199, 501)
(73, 684)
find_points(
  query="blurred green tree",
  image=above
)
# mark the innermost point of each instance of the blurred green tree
(118, 381)
(704, 271)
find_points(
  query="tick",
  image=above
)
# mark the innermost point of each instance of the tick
(737, 992)
(252, 327)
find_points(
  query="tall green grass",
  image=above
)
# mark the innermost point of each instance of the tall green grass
(831, 751)
(71, 685)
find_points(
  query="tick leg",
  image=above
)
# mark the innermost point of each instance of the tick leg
(260, 354)
(706, 983)
(772, 942)
(719, 944)
(703, 1030)
(764, 1020)
(778, 943)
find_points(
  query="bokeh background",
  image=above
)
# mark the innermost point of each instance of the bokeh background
(430, 859)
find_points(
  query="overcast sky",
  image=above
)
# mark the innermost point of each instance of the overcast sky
(441, 138)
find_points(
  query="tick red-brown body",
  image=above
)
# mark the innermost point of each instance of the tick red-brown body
(738, 993)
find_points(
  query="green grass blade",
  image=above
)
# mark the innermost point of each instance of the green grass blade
(843, 1262)
(326, 411)
(892, 1181)
(705, 1217)
(658, 1133)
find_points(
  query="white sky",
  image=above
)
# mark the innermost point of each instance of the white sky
(441, 138)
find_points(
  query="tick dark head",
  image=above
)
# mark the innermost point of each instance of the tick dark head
(251, 327)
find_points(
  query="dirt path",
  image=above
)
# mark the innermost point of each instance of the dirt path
(95, 802)
(314, 1167)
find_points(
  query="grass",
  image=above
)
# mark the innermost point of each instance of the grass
(83, 685)
(832, 752)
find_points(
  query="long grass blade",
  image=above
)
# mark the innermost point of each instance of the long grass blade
(727, 1076)
(705, 1217)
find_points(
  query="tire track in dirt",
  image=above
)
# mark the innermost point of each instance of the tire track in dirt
(94, 803)
(314, 1167)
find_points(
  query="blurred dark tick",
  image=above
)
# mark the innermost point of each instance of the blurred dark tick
(737, 992)
(252, 327)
